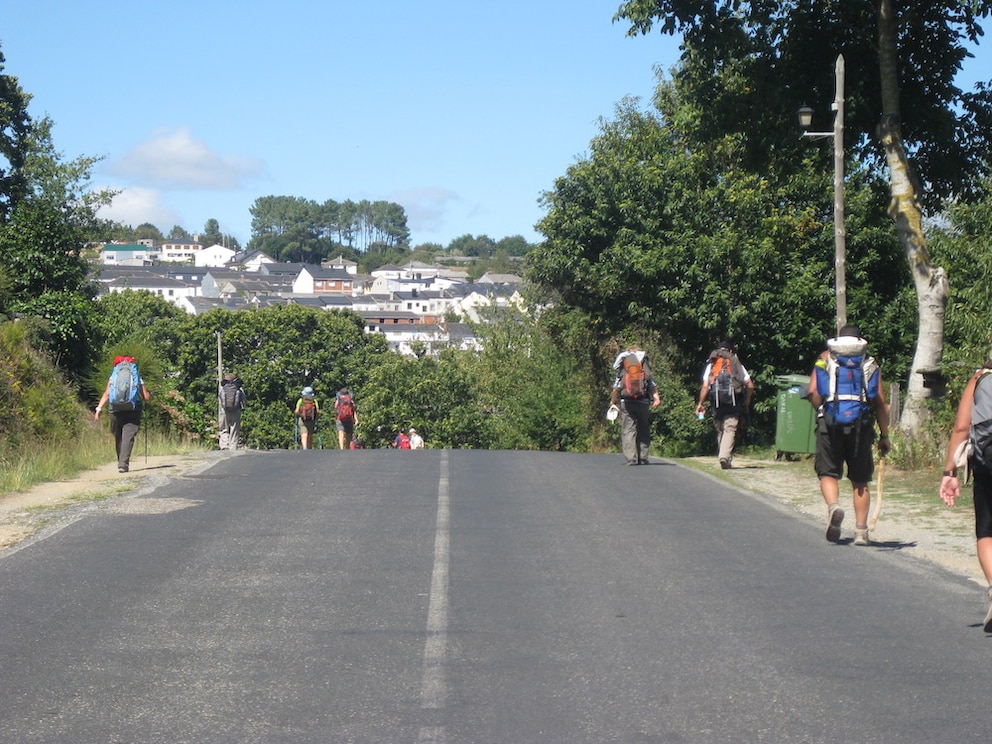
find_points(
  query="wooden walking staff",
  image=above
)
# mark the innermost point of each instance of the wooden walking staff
(878, 496)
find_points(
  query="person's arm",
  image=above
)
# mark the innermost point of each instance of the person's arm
(704, 392)
(103, 402)
(950, 486)
(655, 395)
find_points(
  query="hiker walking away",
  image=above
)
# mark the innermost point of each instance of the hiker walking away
(728, 387)
(416, 441)
(846, 389)
(345, 418)
(232, 403)
(402, 441)
(124, 397)
(635, 393)
(973, 431)
(307, 412)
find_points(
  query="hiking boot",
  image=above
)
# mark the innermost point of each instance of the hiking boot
(122, 468)
(987, 625)
(861, 536)
(724, 463)
(833, 523)
(643, 461)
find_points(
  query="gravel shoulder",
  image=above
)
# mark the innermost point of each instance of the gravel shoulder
(916, 524)
(24, 514)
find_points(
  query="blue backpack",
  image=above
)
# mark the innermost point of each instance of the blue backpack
(125, 388)
(847, 381)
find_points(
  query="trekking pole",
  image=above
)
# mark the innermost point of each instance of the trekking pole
(873, 522)
(146, 445)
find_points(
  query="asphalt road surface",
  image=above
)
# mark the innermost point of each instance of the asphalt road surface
(490, 597)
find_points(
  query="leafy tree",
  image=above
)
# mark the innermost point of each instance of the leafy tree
(179, 233)
(515, 245)
(469, 245)
(15, 132)
(962, 243)
(437, 396)
(903, 62)
(212, 235)
(48, 217)
(652, 232)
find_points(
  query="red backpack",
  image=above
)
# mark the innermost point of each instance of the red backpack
(346, 408)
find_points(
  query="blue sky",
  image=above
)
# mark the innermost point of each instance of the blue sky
(462, 112)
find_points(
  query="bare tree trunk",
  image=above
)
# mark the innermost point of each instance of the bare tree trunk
(930, 281)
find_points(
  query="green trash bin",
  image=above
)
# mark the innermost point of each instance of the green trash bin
(795, 423)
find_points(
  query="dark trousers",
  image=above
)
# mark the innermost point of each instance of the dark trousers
(125, 426)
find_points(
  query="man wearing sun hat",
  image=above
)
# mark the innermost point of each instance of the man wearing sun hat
(846, 389)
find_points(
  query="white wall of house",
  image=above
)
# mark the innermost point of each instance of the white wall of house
(180, 252)
(214, 256)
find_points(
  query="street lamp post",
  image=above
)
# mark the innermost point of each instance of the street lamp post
(840, 234)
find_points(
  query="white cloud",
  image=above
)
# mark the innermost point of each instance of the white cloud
(426, 208)
(174, 160)
(136, 205)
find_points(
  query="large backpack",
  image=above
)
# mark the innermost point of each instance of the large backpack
(125, 387)
(635, 376)
(980, 434)
(847, 381)
(726, 380)
(346, 408)
(308, 409)
(229, 397)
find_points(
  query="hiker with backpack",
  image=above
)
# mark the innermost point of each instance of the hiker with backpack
(846, 389)
(728, 387)
(970, 448)
(307, 412)
(232, 402)
(345, 418)
(124, 397)
(634, 394)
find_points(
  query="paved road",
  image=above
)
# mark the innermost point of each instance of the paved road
(490, 597)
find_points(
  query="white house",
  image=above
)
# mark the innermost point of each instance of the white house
(170, 290)
(180, 250)
(216, 255)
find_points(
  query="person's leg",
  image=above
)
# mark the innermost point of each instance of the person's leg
(129, 430)
(829, 472)
(117, 429)
(234, 430)
(728, 436)
(342, 439)
(628, 433)
(860, 468)
(643, 417)
(223, 437)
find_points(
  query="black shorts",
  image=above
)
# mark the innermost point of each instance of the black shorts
(837, 446)
(982, 483)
